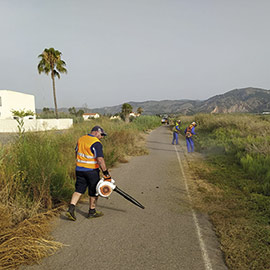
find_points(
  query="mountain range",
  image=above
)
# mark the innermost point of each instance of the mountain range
(244, 100)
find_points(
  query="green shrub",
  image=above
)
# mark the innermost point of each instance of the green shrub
(243, 138)
(145, 122)
(38, 156)
(258, 167)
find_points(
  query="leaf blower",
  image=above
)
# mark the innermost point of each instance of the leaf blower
(105, 188)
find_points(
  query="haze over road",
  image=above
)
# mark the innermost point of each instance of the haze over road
(167, 234)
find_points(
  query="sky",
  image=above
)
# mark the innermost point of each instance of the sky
(118, 51)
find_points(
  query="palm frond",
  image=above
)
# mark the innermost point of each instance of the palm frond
(56, 74)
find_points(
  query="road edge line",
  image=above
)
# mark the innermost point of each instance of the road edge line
(205, 256)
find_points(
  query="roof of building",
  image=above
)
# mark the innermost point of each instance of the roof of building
(14, 92)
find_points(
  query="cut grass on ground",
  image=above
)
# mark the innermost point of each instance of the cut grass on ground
(239, 220)
(27, 242)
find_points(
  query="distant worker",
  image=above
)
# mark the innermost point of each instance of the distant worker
(176, 131)
(89, 158)
(190, 131)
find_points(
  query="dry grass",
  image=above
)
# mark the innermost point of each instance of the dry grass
(202, 191)
(27, 242)
(123, 145)
(244, 241)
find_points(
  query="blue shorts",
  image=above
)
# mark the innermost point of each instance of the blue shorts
(86, 179)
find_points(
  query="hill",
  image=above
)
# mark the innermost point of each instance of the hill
(250, 100)
(245, 100)
(153, 107)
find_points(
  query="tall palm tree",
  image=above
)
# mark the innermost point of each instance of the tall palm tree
(52, 63)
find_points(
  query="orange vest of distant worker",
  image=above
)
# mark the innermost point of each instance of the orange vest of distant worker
(188, 131)
(85, 157)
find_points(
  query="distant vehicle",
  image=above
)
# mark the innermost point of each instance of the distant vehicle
(164, 121)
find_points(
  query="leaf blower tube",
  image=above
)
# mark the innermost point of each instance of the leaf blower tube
(105, 189)
(128, 197)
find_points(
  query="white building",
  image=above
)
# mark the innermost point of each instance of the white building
(90, 115)
(11, 100)
(133, 114)
(115, 117)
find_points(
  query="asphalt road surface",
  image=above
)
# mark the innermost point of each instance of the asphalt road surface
(167, 234)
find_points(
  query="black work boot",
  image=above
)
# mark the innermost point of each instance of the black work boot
(94, 214)
(71, 212)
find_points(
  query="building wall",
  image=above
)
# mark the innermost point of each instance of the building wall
(11, 100)
(115, 117)
(89, 116)
(11, 125)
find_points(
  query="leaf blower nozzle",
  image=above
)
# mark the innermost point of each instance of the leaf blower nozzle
(128, 197)
(105, 189)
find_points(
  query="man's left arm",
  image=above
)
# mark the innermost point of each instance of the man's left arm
(103, 167)
(102, 164)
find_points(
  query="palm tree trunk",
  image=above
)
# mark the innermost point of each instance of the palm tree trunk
(54, 97)
(127, 118)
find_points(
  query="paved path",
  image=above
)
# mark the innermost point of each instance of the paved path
(167, 234)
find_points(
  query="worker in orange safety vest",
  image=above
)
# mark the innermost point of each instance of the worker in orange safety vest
(189, 132)
(89, 158)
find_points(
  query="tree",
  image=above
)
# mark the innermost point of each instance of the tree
(140, 110)
(52, 63)
(80, 113)
(46, 110)
(73, 111)
(126, 110)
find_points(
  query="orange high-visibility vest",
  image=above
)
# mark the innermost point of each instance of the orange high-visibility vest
(85, 157)
(188, 131)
